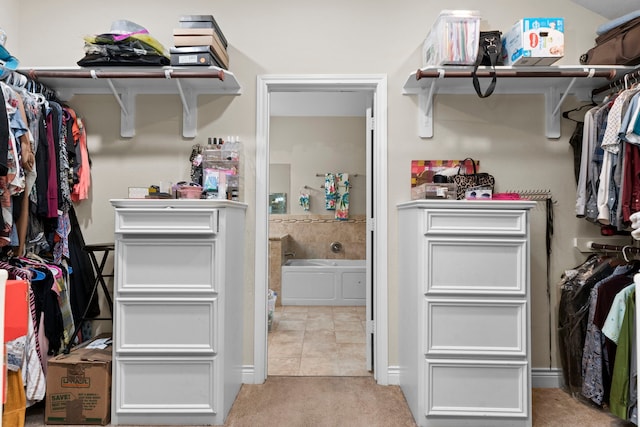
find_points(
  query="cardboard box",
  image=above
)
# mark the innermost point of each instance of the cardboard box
(210, 40)
(534, 41)
(203, 21)
(79, 386)
(196, 55)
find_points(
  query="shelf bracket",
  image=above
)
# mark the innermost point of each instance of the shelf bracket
(425, 107)
(553, 100)
(189, 113)
(425, 111)
(189, 108)
(127, 109)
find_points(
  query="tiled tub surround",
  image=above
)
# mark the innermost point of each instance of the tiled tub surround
(310, 236)
(278, 246)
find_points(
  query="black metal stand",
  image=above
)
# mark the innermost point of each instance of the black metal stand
(98, 267)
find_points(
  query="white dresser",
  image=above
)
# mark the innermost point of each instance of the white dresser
(464, 336)
(178, 310)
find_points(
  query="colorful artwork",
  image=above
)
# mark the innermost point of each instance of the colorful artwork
(423, 170)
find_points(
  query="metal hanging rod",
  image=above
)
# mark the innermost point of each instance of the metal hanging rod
(619, 83)
(502, 73)
(351, 175)
(615, 248)
(164, 73)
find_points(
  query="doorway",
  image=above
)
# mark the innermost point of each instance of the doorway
(376, 211)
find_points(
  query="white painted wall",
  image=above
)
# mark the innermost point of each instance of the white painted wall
(286, 37)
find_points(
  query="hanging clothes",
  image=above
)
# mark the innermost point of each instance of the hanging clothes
(573, 308)
(608, 375)
(608, 189)
(621, 404)
(598, 356)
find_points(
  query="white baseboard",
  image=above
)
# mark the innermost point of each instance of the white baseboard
(248, 375)
(546, 378)
(393, 375)
(540, 377)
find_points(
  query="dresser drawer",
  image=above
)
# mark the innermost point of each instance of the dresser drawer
(169, 220)
(456, 327)
(167, 326)
(165, 385)
(479, 388)
(475, 266)
(475, 222)
(166, 265)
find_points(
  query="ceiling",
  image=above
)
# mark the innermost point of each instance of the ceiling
(610, 9)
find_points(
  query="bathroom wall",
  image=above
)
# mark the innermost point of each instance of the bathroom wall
(310, 236)
(317, 145)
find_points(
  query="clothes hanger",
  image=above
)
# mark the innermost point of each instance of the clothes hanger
(565, 114)
(37, 274)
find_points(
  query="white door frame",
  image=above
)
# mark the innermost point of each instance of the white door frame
(376, 84)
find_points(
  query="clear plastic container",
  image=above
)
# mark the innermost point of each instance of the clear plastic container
(453, 39)
(221, 168)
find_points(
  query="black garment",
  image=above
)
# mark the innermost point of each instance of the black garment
(576, 143)
(42, 160)
(46, 301)
(573, 317)
(83, 276)
(4, 136)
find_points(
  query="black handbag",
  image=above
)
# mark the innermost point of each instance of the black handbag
(466, 181)
(489, 54)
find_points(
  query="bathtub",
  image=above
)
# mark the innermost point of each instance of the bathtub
(324, 282)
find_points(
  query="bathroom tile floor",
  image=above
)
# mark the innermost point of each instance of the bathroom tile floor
(317, 341)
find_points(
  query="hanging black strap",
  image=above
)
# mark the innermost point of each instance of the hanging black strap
(549, 236)
(489, 47)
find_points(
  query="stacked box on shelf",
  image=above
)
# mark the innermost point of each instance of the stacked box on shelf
(199, 41)
(534, 41)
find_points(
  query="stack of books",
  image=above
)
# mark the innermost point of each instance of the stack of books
(199, 41)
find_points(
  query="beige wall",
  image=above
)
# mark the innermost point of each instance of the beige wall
(287, 37)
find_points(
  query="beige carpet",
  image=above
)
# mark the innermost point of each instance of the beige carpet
(553, 407)
(359, 401)
(320, 401)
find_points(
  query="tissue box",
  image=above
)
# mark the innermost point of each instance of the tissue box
(453, 39)
(534, 41)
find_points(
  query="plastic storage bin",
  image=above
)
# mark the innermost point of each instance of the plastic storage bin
(453, 39)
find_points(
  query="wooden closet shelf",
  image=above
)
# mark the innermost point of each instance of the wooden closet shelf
(554, 82)
(124, 83)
